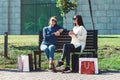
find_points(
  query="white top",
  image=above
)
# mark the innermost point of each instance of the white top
(80, 38)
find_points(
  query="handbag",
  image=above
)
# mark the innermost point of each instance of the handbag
(88, 65)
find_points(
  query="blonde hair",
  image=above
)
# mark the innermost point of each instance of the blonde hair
(53, 17)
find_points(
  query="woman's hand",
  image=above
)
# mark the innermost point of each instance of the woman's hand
(57, 33)
(60, 30)
(71, 33)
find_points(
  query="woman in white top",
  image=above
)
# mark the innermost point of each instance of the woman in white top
(78, 42)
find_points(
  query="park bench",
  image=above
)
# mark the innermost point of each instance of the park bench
(91, 44)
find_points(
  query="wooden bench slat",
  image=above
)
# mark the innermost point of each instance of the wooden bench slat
(66, 36)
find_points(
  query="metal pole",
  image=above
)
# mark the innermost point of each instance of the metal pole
(91, 14)
(5, 44)
(8, 16)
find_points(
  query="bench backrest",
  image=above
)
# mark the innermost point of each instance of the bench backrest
(91, 42)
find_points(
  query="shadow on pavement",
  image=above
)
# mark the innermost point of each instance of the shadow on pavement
(106, 72)
(15, 70)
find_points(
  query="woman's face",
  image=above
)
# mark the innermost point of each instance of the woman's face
(53, 21)
(74, 20)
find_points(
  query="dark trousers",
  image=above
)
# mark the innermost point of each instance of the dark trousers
(67, 48)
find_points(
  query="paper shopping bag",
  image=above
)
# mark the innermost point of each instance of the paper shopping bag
(20, 64)
(25, 60)
(89, 64)
(87, 67)
(25, 63)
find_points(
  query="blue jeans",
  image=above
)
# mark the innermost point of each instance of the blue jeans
(49, 51)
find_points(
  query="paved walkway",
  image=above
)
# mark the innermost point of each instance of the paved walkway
(46, 75)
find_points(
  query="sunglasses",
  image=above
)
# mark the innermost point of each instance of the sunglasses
(54, 20)
(74, 18)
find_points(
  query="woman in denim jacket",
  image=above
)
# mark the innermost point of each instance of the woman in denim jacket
(49, 40)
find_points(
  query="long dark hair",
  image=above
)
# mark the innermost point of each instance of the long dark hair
(79, 20)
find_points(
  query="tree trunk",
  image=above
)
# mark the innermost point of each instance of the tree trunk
(65, 18)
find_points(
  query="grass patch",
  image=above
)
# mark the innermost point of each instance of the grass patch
(108, 51)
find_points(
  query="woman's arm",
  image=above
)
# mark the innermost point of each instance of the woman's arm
(47, 34)
(83, 34)
(71, 34)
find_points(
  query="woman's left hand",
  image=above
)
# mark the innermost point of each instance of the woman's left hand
(57, 33)
(60, 30)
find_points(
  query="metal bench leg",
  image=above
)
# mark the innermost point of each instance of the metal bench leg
(39, 59)
(30, 62)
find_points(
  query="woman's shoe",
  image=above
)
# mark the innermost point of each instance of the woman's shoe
(53, 68)
(50, 64)
(60, 63)
(66, 70)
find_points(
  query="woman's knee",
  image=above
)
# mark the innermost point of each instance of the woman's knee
(52, 47)
(43, 47)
